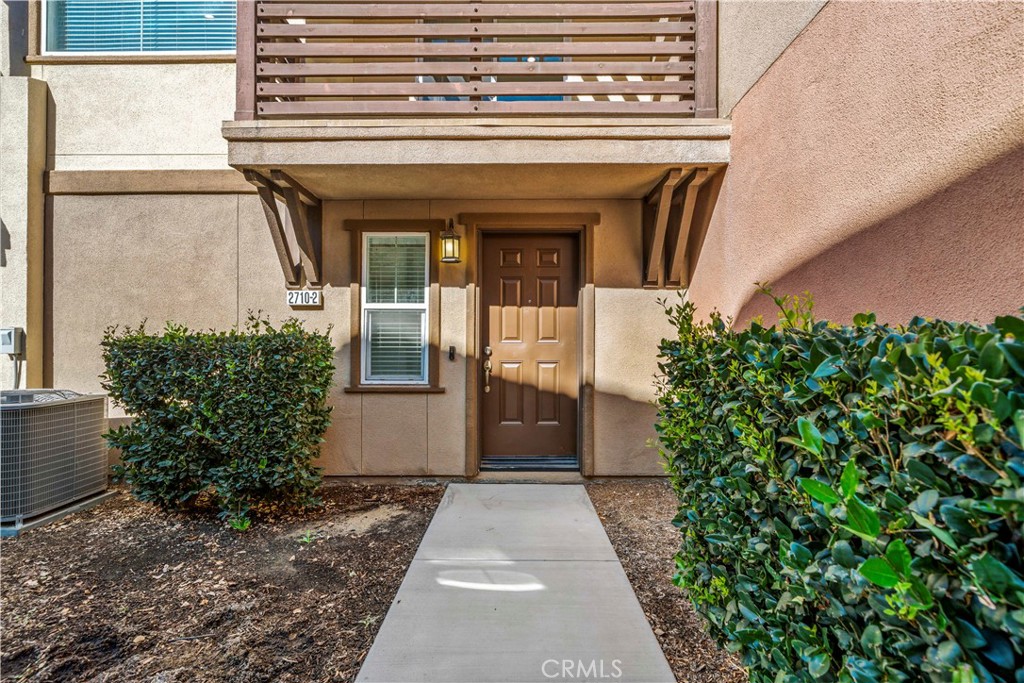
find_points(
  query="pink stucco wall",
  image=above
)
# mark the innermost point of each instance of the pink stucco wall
(879, 163)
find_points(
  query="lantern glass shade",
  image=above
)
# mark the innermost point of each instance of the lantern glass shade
(450, 245)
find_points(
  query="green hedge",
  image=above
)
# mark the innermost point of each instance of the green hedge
(851, 497)
(238, 414)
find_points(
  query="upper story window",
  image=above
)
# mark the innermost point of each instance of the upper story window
(134, 26)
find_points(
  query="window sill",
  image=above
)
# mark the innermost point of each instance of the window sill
(393, 389)
(136, 58)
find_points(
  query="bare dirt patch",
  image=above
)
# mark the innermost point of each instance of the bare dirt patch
(638, 518)
(124, 592)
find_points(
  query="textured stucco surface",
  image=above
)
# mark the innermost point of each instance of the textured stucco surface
(138, 116)
(751, 35)
(22, 158)
(13, 38)
(630, 325)
(117, 260)
(879, 167)
(207, 260)
(974, 269)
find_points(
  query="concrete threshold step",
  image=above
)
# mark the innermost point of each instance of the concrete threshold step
(492, 463)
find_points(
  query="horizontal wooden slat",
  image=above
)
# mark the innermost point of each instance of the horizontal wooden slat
(313, 109)
(463, 2)
(575, 68)
(473, 10)
(551, 29)
(640, 48)
(472, 89)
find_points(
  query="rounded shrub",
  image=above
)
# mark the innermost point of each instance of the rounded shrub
(850, 497)
(238, 414)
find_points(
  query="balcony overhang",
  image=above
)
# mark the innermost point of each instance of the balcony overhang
(475, 159)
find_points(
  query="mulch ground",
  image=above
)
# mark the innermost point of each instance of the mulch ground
(638, 518)
(124, 592)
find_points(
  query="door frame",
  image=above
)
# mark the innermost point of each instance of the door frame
(478, 225)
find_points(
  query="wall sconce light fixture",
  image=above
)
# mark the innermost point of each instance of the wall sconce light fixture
(450, 244)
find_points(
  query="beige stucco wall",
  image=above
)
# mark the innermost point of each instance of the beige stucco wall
(13, 38)
(879, 167)
(22, 156)
(138, 116)
(117, 260)
(751, 35)
(208, 259)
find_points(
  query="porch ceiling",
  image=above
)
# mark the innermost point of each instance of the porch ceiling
(358, 160)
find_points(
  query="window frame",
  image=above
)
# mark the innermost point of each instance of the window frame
(357, 228)
(45, 51)
(365, 308)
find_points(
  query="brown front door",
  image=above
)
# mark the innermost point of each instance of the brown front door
(530, 286)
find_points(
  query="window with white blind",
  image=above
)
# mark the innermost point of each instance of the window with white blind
(395, 295)
(134, 26)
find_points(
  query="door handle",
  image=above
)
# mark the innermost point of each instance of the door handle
(487, 375)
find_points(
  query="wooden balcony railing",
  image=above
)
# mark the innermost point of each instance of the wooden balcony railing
(352, 58)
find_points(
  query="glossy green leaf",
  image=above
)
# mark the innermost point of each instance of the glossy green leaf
(899, 557)
(1011, 325)
(843, 553)
(789, 469)
(818, 665)
(999, 651)
(864, 319)
(983, 394)
(994, 576)
(883, 372)
(922, 596)
(849, 479)
(800, 554)
(819, 491)
(871, 637)
(938, 532)
(1013, 354)
(783, 530)
(992, 360)
(827, 368)
(921, 472)
(862, 518)
(948, 653)
(958, 520)
(810, 437)
(925, 502)
(968, 635)
(879, 572)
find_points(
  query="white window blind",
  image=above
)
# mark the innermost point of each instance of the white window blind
(140, 25)
(394, 292)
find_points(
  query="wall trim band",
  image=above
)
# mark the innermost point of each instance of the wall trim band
(227, 181)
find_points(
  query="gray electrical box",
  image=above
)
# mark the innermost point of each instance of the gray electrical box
(12, 341)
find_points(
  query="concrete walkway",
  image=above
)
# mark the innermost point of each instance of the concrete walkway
(515, 583)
